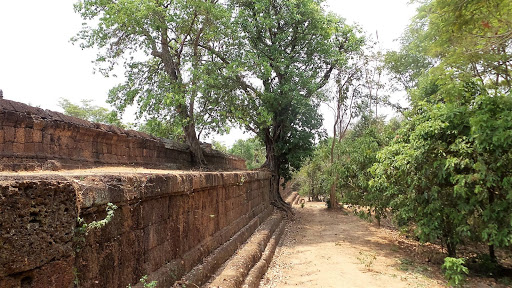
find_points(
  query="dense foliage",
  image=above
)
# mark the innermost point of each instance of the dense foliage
(444, 170)
(160, 45)
(252, 150)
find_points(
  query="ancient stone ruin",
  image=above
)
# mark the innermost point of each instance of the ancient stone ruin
(61, 228)
(32, 139)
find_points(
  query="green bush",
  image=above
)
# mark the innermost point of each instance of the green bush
(455, 271)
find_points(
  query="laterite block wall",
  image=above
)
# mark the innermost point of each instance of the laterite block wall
(30, 137)
(165, 224)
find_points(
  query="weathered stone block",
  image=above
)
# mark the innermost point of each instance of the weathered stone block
(10, 118)
(155, 235)
(20, 135)
(10, 134)
(154, 211)
(37, 136)
(29, 148)
(55, 274)
(18, 148)
(155, 258)
(7, 148)
(37, 223)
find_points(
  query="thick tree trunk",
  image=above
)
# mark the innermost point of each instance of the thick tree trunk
(195, 146)
(271, 164)
(172, 68)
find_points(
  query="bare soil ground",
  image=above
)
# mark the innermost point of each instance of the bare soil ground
(322, 248)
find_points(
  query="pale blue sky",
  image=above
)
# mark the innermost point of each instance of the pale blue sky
(38, 64)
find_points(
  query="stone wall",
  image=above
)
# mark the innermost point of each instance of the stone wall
(33, 139)
(164, 225)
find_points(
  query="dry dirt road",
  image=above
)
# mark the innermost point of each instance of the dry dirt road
(337, 249)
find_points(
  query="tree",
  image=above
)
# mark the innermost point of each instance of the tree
(252, 150)
(90, 112)
(448, 163)
(159, 43)
(472, 37)
(358, 86)
(219, 146)
(290, 49)
(162, 129)
(417, 170)
(346, 106)
(407, 66)
(491, 177)
(314, 176)
(357, 152)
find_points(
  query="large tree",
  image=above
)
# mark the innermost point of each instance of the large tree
(159, 44)
(279, 56)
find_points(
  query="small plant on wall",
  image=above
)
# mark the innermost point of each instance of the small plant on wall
(85, 228)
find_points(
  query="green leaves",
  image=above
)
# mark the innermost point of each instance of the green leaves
(469, 38)
(90, 112)
(455, 271)
(288, 50)
(252, 150)
(170, 72)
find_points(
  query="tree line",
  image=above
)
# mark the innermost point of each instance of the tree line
(443, 166)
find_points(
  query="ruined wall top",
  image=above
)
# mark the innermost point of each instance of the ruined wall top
(32, 138)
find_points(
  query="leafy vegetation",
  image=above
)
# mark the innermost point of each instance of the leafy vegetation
(145, 283)
(161, 46)
(90, 112)
(455, 271)
(444, 169)
(85, 228)
(252, 150)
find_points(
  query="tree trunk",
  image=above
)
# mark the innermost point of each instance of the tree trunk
(271, 164)
(332, 194)
(195, 146)
(452, 248)
(332, 197)
(492, 254)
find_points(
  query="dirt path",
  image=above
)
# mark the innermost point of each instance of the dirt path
(337, 249)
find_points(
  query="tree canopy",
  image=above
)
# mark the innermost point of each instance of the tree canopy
(159, 44)
(290, 49)
(90, 112)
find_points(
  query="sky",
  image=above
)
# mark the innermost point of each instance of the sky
(39, 65)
